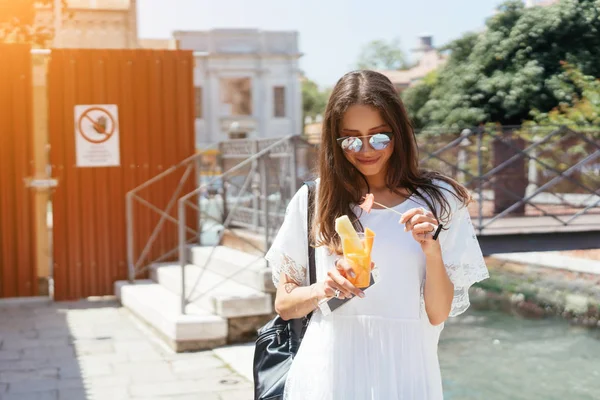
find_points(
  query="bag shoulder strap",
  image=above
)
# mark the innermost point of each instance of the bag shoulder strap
(312, 272)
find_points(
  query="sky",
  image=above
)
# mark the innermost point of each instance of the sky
(331, 32)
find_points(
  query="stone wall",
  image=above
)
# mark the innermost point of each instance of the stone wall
(537, 292)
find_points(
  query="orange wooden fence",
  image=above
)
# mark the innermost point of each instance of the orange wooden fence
(154, 94)
(17, 238)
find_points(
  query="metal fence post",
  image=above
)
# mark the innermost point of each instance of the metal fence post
(130, 238)
(222, 165)
(182, 248)
(293, 166)
(462, 155)
(255, 190)
(197, 181)
(480, 180)
(264, 188)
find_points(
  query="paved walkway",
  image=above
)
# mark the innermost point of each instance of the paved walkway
(99, 351)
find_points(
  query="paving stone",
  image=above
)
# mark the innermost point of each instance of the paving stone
(12, 365)
(132, 346)
(76, 370)
(98, 382)
(244, 394)
(199, 386)
(50, 323)
(70, 371)
(31, 386)
(109, 393)
(199, 363)
(101, 354)
(145, 356)
(94, 369)
(24, 343)
(91, 347)
(28, 375)
(72, 394)
(221, 372)
(58, 332)
(203, 396)
(10, 355)
(146, 390)
(49, 395)
(146, 371)
(49, 353)
(70, 383)
(141, 366)
(110, 358)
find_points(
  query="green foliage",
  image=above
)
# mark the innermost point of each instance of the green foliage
(17, 21)
(512, 67)
(314, 100)
(380, 54)
(583, 110)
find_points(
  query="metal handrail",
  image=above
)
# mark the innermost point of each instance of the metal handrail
(132, 195)
(183, 201)
(480, 179)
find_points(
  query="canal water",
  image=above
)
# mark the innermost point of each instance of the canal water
(496, 356)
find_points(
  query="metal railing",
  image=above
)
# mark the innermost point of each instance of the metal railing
(247, 187)
(551, 172)
(547, 174)
(192, 167)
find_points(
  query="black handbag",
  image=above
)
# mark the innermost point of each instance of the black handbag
(279, 340)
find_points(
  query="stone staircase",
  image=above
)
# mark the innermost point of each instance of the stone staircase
(231, 296)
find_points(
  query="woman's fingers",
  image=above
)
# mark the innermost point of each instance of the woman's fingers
(424, 227)
(329, 290)
(345, 268)
(334, 288)
(417, 216)
(341, 283)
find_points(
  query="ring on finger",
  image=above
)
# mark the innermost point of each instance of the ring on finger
(337, 293)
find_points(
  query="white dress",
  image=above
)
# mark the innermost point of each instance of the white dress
(382, 347)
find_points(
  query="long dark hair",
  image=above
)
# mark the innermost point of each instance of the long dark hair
(338, 188)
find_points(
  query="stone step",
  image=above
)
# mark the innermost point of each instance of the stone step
(213, 292)
(248, 269)
(160, 308)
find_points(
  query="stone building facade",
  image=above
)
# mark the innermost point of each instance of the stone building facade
(247, 83)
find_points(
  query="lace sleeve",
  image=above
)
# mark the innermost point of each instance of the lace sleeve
(289, 253)
(463, 259)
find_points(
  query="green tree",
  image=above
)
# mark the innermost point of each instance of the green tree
(314, 100)
(583, 110)
(512, 67)
(17, 21)
(380, 54)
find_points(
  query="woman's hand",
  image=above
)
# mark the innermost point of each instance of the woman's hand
(337, 280)
(423, 225)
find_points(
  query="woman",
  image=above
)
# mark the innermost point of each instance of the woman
(382, 344)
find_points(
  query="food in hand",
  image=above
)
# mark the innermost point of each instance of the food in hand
(368, 203)
(344, 228)
(369, 237)
(357, 250)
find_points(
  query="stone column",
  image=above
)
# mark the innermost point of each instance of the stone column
(132, 33)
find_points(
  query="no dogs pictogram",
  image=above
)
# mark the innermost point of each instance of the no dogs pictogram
(96, 125)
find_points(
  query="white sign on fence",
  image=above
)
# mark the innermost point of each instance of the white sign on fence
(97, 142)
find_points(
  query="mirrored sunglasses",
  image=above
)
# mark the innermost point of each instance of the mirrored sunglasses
(354, 144)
